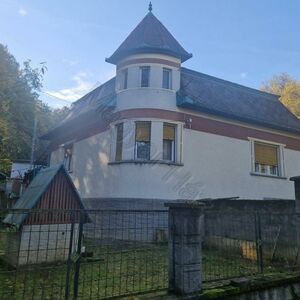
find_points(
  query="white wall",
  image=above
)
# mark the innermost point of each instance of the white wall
(214, 166)
(46, 243)
(153, 96)
(18, 169)
(57, 156)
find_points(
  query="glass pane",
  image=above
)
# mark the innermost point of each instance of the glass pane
(145, 73)
(142, 131)
(169, 131)
(119, 144)
(266, 154)
(166, 79)
(125, 75)
(167, 149)
(143, 150)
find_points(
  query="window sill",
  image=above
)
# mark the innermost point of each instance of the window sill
(267, 175)
(153, 162)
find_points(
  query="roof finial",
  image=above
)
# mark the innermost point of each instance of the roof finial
(150, 7)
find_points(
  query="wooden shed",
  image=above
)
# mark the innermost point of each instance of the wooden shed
(40, 224)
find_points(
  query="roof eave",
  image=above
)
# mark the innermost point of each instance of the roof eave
(118, 56)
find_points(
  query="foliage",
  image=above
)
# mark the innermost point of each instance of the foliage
(288, 88)
(5, 165)
(20, 105)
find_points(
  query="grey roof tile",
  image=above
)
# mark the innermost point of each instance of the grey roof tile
(150, 36)
(220, 97)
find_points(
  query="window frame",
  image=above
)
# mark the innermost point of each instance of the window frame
(68, 159)
(173, 142)
(280, 159)
(125, 79)
(119, 142)
(135, 142)
(169, 87)
(141, 76)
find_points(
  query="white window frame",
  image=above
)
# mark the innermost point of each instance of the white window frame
(135, 141)
(281, 165)
(174, 144)
(124, 79)
(170, 79)
(116, 141)
(141, 77)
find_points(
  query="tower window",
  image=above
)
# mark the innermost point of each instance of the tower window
(142, 140)
(167, 78)
(119, 144)
(125, 78)
(169, 142)
(145, 76)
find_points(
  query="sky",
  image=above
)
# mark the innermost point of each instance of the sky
(243, 41)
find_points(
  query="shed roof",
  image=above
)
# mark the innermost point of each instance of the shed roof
(150, 36)
(34, 192)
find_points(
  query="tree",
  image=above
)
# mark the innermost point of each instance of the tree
(288, 88)
(19, 106)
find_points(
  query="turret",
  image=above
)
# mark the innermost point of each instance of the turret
(147, 63)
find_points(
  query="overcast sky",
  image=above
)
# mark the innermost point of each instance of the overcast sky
(238, 40)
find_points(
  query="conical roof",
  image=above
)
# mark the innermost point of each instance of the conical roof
(150, 36)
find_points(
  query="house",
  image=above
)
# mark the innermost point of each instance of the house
(41, 227)
(19, 167)
(158, 131)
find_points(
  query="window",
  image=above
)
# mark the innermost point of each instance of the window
(145, 76)
(167, 79)
(125, 78)
(169, 142)
(68, 152)
(119, 143)
(142, 140)
(266, 159)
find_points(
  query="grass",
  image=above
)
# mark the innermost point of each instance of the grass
(114, 270)
(111, 272)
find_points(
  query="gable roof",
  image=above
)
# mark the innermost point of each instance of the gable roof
(150, 36)
(34, 192)
(219, 97)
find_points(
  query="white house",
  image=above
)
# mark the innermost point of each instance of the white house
(158, 131)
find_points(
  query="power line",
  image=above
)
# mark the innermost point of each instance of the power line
(63, 100)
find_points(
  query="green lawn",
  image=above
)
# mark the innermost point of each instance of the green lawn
(120, 269)
(110, 272)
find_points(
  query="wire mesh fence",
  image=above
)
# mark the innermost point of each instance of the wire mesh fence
(100, 254)
(82, 254)
(236, 245)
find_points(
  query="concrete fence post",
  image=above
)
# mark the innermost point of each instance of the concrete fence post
(186, 221)
(296, 180)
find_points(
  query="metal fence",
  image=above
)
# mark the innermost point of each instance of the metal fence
(92, 254)
(100, 254)
(241, 244)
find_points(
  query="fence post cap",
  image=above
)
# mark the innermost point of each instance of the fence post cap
(295, 178)
(185, 204)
